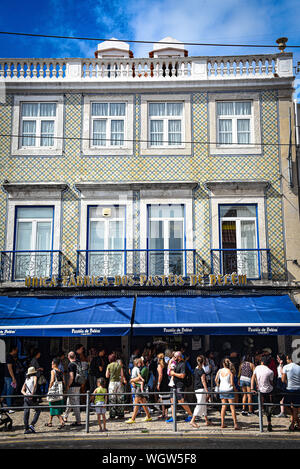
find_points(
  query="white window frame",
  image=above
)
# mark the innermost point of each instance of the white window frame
(234, 119)
(240, 254)
(54, 150)
(108, 119)
(34, 222)
(254, 148)
(106, 221)
(38, 129)
(88, 149)
(165, 118)
(166, 236)
(185, 148)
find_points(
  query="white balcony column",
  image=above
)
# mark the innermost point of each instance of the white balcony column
(74, 69)
(199, 69)
(284, 66)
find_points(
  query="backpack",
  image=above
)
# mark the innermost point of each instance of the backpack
(80, 375)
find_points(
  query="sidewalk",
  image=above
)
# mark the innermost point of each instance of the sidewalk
(117, 427)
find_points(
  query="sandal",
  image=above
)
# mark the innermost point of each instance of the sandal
(48, 424)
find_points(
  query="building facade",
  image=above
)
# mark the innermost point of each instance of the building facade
(168, 175)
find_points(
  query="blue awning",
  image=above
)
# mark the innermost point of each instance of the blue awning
(217, 315)
(65, 316)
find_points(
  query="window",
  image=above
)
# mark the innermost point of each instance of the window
(166, 239)
(33, 241)
(38, 122)
(238, 227)
(106, 242)
(234, 122)
(108, 124)
(165, 124)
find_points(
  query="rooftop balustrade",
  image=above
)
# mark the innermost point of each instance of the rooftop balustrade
(145, 70)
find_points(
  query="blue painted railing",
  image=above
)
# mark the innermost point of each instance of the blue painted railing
(255, 263)
(136, 262)
(17, 265)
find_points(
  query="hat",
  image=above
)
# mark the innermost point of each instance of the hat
(31, 371)
(267, 350)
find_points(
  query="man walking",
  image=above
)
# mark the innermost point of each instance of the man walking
(73, 390)
(291, 376)
(263, 377)
(179, 375)
(10, 381)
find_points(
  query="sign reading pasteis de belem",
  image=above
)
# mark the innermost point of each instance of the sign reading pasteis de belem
(141, 281)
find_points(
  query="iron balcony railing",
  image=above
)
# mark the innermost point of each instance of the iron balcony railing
(136, 262)
(255, 263)
(17, 265)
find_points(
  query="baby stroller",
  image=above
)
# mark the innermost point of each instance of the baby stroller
(5, 420)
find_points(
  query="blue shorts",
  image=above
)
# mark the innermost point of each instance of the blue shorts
(227, 395)
(245, 384)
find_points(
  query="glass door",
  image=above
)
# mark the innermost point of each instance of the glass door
(166, 239)
(106, 247)
(239, 240)
(33, 242)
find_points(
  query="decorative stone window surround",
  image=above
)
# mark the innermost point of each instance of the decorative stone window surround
(87, 148)
(185, 148)
(234, 149)
(34, 195)
(236, 193)
(57, 149)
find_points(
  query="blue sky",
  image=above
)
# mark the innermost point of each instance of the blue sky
(246, 21)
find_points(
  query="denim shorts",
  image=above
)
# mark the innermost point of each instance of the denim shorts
(245, 384)
(227, 395)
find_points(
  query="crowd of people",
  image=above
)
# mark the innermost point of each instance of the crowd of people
(231, 380)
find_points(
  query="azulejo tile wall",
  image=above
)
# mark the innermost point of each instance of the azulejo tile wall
(73, 166)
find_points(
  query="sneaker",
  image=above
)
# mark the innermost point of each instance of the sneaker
(281, 415)
(188, 419)
(170, 420)
(245, 413)
(28, 431)
(11, 411)
(32, 428)
(147, 419)
(130, 421)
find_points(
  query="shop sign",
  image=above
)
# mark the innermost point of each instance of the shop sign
(132, 281)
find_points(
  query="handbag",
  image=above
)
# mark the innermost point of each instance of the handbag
(55, 393)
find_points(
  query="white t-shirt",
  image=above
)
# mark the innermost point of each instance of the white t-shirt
(292, 371)
(135, 372)
(264, 378)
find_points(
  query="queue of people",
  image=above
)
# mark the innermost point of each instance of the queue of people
(161, 372)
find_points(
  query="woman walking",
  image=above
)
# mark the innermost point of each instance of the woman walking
(55, 409)
(245, 374)
(115, 375)
(30, 401)
(225, 381)
(163, 384)
(200, 387)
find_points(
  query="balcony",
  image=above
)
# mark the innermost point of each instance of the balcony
(254, 263)
(46, 70)
(136, 262)
(17, 265)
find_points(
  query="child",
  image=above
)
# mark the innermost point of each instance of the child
(135, 374)
(100, 400)
(171, 366)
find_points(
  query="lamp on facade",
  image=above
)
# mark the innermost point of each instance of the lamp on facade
(282, 43)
